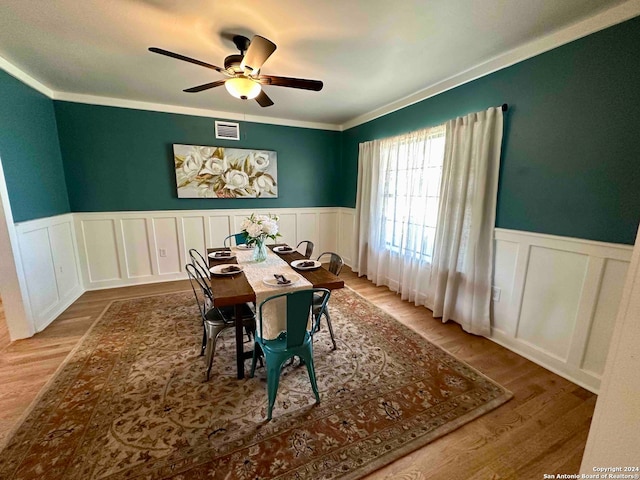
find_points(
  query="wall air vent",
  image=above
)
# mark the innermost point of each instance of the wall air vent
(228, 130)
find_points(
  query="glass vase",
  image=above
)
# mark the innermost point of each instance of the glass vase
(260, 251)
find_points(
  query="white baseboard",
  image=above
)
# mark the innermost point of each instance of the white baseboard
(49, 263)
(558, 296)
(558, 300)
(56, 310)
(130, 282)
(553, 365)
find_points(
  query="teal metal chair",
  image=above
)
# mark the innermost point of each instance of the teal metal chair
(296, 340)
(237, 238)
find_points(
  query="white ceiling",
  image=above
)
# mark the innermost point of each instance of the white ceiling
(368, 53)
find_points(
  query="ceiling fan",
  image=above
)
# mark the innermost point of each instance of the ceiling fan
(244, 79)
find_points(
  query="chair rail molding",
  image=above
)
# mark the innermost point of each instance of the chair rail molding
(127, 248)
(556, 299)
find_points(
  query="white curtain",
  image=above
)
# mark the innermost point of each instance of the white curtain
(367, 222)
(452, 276)
(397, 206)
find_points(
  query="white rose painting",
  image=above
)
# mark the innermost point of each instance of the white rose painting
(218, 172)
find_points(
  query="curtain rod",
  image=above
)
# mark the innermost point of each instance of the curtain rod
(505, 107)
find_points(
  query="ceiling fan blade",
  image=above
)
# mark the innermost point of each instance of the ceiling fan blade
(187, 59)
(264, 100)
(206, 86)
(315, 85)
(260, 49)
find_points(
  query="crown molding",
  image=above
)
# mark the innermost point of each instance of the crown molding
(25, 78)
(600, 21)
(197, 112)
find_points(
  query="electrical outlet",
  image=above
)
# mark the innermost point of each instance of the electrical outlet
(495, 294)
(162, 252)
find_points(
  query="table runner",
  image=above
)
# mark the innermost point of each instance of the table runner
(275, 313)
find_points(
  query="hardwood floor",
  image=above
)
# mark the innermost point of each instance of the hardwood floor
(543, 429)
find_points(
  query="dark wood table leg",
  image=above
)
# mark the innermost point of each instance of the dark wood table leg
(239, 341)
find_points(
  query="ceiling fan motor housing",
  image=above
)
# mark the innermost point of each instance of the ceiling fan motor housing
(232, 62)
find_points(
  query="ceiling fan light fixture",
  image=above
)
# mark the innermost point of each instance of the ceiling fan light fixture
(243, 80)
(243, 88)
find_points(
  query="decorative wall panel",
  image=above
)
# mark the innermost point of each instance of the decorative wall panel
(556, 299)
(49, 263)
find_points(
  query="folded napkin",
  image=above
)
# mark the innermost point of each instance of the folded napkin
(230, 268)
(285, 249)
(226, 253)
(309, 263)
(281, 279)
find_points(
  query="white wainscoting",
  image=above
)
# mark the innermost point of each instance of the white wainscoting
(127, 248)
(558, 300)
(558, 296)
(48, 251)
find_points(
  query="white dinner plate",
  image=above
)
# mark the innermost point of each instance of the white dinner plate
(283, 249)
(296, 264)
(244, 246)
(218, 269)
(224, 257)
(272, 282)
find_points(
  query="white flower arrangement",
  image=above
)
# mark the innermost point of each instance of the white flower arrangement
(257, 228)
(216, 172)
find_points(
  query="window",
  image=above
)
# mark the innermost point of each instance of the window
(410, 191)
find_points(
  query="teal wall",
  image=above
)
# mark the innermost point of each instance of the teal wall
(122, 159)
(569, 167)
(571, 151)
(30, 152)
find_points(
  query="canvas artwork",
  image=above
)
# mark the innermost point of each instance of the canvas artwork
(219, 172)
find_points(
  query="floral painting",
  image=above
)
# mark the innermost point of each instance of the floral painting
(218, 172)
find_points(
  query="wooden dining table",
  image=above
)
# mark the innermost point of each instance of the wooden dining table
(235, 290)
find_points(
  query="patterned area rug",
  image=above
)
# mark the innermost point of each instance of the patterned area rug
(131, 401)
